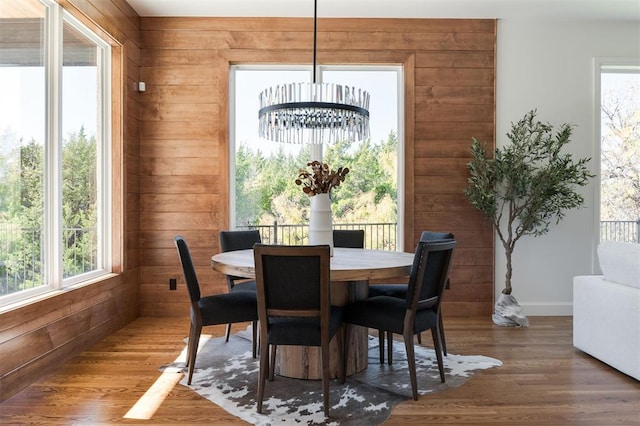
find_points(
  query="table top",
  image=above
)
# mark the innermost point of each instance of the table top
(347, 264)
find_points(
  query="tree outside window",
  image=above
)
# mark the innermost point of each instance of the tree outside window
(620, 153)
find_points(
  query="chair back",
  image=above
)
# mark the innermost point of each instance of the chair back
(429, 273)
(348, 238)
(187, 268)
(238, 240)
(436, 236)
(292, 281)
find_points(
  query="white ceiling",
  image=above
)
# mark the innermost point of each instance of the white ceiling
(541, 9)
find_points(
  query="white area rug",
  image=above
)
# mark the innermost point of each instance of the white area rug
(227, 375)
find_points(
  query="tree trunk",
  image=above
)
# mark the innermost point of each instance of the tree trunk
(507, 279)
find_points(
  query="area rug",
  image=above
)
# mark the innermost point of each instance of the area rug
(227, 375)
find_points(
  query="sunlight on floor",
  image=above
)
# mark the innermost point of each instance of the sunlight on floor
(152, 399)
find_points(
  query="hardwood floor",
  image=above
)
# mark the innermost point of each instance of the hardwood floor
(544, 381)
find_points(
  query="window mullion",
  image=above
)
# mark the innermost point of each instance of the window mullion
(104, 161)
(52, 232)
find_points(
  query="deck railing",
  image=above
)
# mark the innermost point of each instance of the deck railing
(378, 236)
(620, 230)
(21, 255)
(23, 273)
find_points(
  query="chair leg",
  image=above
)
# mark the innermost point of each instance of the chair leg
(264, 371)
(420, 338)
(381, 344)
(324, 347)
(390, 347)
(254, 331)
(441, 334)
(411, 360)
(226, 338)
(438, 350)
(272, 362)
(192, 348)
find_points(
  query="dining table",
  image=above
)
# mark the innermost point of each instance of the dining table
(350, 271)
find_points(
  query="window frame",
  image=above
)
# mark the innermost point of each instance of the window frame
(55, 18)
(316, 150)
(603, 66)
(103, 158)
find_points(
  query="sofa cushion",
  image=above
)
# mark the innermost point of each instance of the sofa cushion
(620, 262)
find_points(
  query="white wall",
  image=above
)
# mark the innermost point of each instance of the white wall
(548, 65)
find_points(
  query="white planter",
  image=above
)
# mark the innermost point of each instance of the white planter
(320, 221)
(508, 312)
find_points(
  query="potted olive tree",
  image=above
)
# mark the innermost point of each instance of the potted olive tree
(522, 189)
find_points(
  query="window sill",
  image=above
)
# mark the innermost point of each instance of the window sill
(46, 294)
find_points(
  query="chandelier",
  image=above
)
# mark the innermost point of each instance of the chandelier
(313, 113)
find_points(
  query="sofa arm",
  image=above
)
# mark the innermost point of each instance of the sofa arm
(606, 322)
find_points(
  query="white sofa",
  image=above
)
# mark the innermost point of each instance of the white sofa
(606, 308)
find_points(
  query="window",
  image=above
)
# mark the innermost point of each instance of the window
(54, 154)
(619, 112)
(262, 173)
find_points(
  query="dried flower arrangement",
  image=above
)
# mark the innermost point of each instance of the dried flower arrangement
(321, 179)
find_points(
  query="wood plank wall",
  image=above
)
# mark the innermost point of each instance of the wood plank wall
(36, 338)
(449, 91)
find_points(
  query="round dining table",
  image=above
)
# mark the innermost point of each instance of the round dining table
(351, 271)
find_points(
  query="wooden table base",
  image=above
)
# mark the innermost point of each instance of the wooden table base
(304, 362)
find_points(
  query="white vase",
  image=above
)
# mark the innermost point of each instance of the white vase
(320, 221)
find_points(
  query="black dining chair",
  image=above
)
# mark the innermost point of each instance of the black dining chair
(238, 240)
(216, 309)
(294, 307)
(400, 290)
(417, 312)
(348, 238)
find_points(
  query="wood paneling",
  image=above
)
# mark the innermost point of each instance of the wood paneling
(37, 337)
(180, 130)
(183, 148)
(449, 96)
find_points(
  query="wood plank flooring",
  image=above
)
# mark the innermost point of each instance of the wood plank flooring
(544, 381)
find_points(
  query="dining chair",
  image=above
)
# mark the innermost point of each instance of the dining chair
(348, 238)
(400, 290)
(294, 307)
(238, 240)
(417, 312)
(225, 308)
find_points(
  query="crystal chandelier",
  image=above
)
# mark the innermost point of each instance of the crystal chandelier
(313, 113)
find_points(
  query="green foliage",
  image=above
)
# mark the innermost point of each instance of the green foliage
(266, 189)
(528, 185)
(261, 181)
(31, 202)
(23, 204)
(25, 210)
(79, 189)
(247, 206)
(372, 178)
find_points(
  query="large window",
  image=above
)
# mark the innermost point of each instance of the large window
(262, 173)
(619, 111)
(54, 151)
